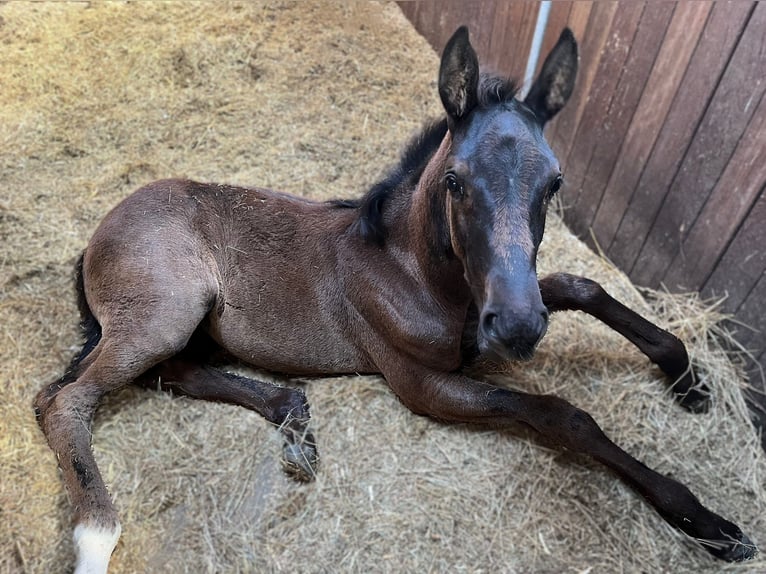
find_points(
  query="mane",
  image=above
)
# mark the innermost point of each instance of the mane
(493, 90)
(412, 162)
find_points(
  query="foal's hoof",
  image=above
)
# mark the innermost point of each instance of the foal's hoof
(300, 460)
(736, 548)
(695, 398)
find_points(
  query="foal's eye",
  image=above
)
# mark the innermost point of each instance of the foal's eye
(554, 187)
(453, 185)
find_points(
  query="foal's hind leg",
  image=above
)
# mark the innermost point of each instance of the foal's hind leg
(562, 292)
(283, 406)
(142, 323)
(65, 414)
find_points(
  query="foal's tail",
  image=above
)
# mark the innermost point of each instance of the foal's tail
(92, 333)
(88, 323)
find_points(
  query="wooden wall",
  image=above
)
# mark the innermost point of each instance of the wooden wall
(501, 31)
(663, 144)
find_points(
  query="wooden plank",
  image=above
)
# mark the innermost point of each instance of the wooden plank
(592, 126)
(717, 135)
(752, 312)
(513, 25)
(438, 12)
(727, 206)
(708, 62)
(680, 40)
(579, 16)
(482, 27)
(524, 20)
(744, 260)
(562, 131)
(501, 31)
(617, 119)
(478, 15)
(424, 16)
(409, 9)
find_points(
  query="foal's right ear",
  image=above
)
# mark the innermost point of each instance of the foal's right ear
(458, 77)
(555, 84)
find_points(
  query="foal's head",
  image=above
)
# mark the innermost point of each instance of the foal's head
(499, 176)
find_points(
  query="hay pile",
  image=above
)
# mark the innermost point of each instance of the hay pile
(314, 99)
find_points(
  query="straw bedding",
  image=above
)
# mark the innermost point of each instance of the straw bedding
(314, 99)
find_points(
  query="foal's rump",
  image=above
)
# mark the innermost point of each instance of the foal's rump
(148, 277)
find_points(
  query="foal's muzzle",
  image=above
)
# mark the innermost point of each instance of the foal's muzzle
(513, 320)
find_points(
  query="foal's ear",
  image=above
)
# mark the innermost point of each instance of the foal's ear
(555, 83)
(459, 77)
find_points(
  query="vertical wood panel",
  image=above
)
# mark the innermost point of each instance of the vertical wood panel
(512, 28)
(744, 261)
(579, 16)
(717, 136)
(722, 31)
(611, 137)
(523, 17)
(724, 211)
(501, 32)
(753, 313)
(592, 126)
(409, 9)
(500, 36)
(680, 40)
(476, 18)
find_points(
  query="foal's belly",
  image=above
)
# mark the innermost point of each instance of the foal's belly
(286, 326)
(293, 351)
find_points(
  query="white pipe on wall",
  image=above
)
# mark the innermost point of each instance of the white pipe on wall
(537, 43)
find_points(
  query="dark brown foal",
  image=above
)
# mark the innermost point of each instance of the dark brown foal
(437, 258)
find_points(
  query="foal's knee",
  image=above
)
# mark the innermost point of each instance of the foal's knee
(59, 407)
(562, 291)
(669, 354)
(569, 426)
(42, 402)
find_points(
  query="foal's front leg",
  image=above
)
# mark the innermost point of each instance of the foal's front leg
(564, 292)
(454, 397)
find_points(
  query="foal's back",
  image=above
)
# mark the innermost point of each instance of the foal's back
(254, 268)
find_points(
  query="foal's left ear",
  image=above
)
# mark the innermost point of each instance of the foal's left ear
(555, 83)
(459, 77)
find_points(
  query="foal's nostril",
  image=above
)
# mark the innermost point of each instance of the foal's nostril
(489, 323)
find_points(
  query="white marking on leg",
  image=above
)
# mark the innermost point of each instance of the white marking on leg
(94, 546)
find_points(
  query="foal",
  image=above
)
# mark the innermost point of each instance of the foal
(437, 263)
